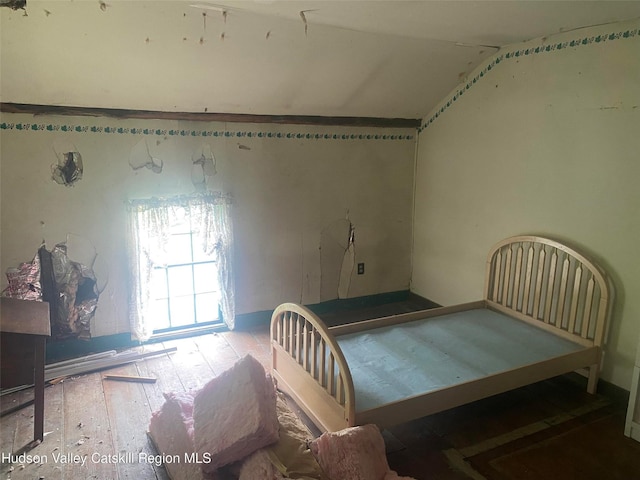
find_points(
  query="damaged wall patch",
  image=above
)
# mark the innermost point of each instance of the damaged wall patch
(203, 166)
(68, 170)
(337, 259)
(140, 157)
(14, 4)
(59, 278)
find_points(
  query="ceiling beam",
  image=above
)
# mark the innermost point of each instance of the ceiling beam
(211, 117)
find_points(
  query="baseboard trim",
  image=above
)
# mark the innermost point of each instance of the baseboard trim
(58, 350)
(254, 319)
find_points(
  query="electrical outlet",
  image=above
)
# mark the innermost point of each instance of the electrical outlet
(361, 269)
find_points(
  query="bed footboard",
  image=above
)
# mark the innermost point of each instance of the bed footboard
(309, 365)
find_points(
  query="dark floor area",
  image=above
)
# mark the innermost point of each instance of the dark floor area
(549, 430)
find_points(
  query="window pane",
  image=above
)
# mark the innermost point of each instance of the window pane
(158, 283)
(182, 311)
(179, 249)
(160, 314)
(207, 307)
(180, 281)
(206, 277)
(198, 253)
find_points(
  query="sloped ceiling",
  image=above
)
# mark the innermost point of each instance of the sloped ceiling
(389, 59)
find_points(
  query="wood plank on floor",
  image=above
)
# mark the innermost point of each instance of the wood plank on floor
(217, 352)
(465, 431)
(254, 342)
(24, 427)
(54, 428)
(163, 370)
(192, 368)
(22, 424)
(10, 421)
(129, 415)
(87, 429)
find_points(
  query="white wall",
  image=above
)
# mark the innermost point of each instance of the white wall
(289, 182)
(542, 139)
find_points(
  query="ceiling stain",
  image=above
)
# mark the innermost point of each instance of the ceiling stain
(304, 20)
(14, 4)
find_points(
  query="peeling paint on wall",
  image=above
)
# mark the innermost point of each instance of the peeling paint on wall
(348, 262)
(333, 243)
(337, 259)
(203, 166)
(140, 157)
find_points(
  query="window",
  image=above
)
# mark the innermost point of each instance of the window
(184, 280)
(180, 251)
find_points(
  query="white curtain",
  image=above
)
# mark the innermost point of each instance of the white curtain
(149, 226)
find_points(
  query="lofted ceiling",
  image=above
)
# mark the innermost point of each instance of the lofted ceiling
(365, 58)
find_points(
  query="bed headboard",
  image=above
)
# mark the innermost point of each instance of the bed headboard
(546, 282)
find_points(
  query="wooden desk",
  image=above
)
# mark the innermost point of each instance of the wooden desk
(24, 328)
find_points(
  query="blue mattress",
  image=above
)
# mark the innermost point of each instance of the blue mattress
(392, 363)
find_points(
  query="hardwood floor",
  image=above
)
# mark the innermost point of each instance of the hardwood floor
(550, 430)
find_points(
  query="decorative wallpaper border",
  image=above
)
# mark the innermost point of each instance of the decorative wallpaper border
(540, 49)
(552, 47)
(199, 133)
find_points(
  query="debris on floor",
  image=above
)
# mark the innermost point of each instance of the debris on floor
(355, 453)
(238, 406)
(130, 378)
(238, 427)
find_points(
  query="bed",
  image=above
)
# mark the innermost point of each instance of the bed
(544, 313)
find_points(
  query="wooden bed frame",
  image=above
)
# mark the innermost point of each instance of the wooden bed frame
(530, 278)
